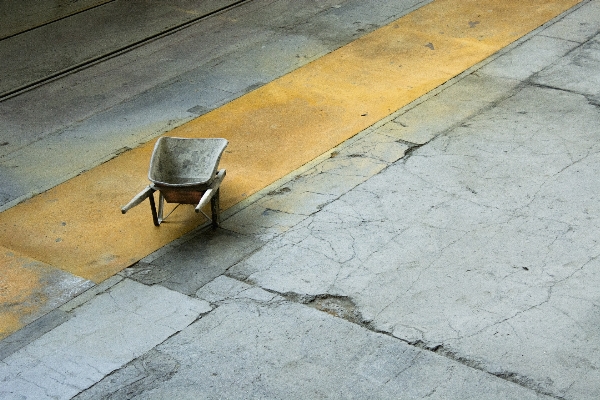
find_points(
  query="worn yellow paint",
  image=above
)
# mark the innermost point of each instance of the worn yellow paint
(21, 290)
(272, 131)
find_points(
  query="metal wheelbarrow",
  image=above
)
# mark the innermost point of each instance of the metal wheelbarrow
(184, 171)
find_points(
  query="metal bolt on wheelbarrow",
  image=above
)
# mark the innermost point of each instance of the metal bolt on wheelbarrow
(184, 171)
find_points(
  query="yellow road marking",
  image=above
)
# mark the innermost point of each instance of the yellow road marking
(77, 225)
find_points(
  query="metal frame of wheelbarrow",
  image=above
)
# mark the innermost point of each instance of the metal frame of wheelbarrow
(196, 157)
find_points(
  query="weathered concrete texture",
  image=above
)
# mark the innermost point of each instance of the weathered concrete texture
(569, 72)
(346, 21)
(142, 374)
(29, 333)
(191, 265)
(48, 49)
(103, 335)
(482, 245)
(445, 110)
(27, 14)
(578, 26)
(45, 323)
(530, 57)
(449, 253)
(256, 345)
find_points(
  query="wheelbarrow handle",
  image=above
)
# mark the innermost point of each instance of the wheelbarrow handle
(204, 200)
(210, 192)
(141, 196)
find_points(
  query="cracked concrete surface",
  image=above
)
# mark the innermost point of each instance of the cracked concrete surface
(481, 245)
(81, 351)
(451, 252)
(268, 347)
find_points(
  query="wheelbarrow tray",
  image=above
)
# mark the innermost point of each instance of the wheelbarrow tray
(184, 171)
(183, 163)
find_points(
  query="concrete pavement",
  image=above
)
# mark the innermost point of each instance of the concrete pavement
(448, 251)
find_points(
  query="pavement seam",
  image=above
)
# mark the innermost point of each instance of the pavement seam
(353, 316)
(439, 349)
(143, 356)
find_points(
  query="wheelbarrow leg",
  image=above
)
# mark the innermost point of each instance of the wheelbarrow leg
(153, 208)
(149, 194)
(161, 207)
(215, 208)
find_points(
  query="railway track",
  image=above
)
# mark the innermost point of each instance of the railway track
(31, 58)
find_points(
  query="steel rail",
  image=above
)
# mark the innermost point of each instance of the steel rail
(111, 54)
(49, 21)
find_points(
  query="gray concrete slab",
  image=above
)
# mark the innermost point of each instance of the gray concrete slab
(578, 26)
(311, 190)
(436, 114)
(256, 345)
(104, 334)
(28, 14)
(31, 332)
(191, 265)
(528, 58)
(578, 72)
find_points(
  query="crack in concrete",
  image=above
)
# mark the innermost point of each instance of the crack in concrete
(545, 301)
(551, 177)
(344, 307)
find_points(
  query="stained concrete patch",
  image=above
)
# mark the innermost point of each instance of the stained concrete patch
(313, 189)
(378, 146)
(346, 20)
(448, 108)
(29, 289)
(261, 221)
(188, 267)
(103, 335)
(246, 349)
(142, 374)
(317, 187)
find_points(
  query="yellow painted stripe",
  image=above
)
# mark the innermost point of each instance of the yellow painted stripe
(272, 131)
